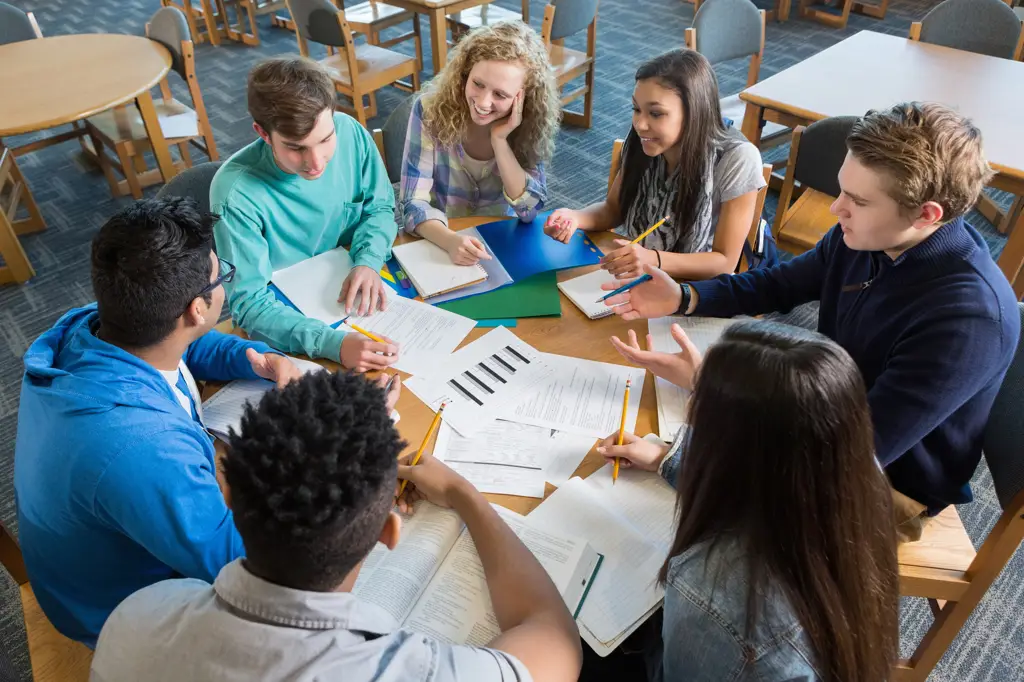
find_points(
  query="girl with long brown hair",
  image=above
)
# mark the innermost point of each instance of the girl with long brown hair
(783, 563)
(479, 136)
(679, 161)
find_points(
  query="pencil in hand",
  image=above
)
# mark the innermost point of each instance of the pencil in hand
(423, 446)
(622, 431)
(650, 229)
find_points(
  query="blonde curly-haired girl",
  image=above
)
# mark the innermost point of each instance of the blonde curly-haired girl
(479, 135)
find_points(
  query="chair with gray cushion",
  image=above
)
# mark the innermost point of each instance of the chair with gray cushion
(955, 593)
(193, 183)
(724, 30)
(16, 26)
(391, 138)
(987, 27)
(816, 154)
(564, 18)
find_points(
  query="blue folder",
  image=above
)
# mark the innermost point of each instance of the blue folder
(524, 250)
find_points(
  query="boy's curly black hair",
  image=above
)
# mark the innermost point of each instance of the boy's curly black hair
(312, 476)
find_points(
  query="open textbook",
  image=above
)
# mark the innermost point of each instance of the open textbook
(631, 524)
(704, 332)
(433, 581)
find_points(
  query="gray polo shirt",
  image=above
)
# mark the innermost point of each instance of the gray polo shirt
(245, 628)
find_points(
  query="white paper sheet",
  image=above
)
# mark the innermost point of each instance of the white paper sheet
(223, 410)
(502, 480)
(185, 124)
(426, 335)
(672, 399)
(584, 291)
(508, 445)
(431, 268)
(477, 381)
(580, 396)
(313, 285)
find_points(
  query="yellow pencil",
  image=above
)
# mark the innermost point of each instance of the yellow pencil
(650, 229)
(362, 331)
(622, 430)
(423, 446)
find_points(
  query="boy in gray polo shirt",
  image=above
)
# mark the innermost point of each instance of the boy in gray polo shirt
(312, 477)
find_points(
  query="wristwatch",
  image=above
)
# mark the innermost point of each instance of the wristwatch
(685, 304)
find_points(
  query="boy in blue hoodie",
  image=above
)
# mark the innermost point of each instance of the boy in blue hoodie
(906, 287)
(114, 473)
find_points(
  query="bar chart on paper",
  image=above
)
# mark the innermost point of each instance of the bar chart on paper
(479, 379)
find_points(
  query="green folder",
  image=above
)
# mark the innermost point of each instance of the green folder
(535, 296)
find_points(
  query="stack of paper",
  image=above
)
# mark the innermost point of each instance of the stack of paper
(672, 399)
(427, 335)
(585, 290)
(632, 524)
(223, 410)
(512, 459)
(432, 271)
(433, 581)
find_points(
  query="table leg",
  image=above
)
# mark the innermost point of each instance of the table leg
(439, 38)
(1011, 261)
(752, 123)
(156, 136)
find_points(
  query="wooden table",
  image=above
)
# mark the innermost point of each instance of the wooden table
(438, 11)
(875, 71)
(571, 334)
(52, 81)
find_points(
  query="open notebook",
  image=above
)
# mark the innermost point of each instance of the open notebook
(433, 581)
(704, 332)
(432, 271)
(631, 524)
(584, 291)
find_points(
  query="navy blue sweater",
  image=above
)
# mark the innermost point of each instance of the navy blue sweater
(932, 332)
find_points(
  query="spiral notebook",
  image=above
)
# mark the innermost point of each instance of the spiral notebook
(584, 291)
(431, 270)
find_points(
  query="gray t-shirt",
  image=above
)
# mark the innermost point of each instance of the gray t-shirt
(737, 170)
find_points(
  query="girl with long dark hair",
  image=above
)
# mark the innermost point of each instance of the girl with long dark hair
(679, 161)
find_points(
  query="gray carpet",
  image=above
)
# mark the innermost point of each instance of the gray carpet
(75, 201)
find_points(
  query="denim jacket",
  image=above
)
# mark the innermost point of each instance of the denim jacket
(704, 632)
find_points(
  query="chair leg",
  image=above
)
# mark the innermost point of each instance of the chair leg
(372, 101)
(416, 81)
(186, 157)
(588, 99)
(34, 223)
(100, 157)
(128, 167)
(190, 17)
(357, 104)
(418, 41)
(211, 23)
(18, 268)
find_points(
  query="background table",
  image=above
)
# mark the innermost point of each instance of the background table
(438, 11)
(571, 334)
(52, 81)
(875, 71)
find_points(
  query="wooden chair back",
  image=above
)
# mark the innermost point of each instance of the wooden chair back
(986, 27)
(17, 25)
(724, 30)
(953, 595)
(319, 21)
(755, 225)
(564, 18)
(616, 162)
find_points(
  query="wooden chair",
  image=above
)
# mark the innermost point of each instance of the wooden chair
(778, 13)
(876, 10)
(942, 567)
(391, 139)
(14, 192)
(563, 18)
(986, 27)
(754, 235)
(616, 163)
(122, 130)
(461, 23)
(816, 154)
(202, 20)
(244, 28)
(724, 30)
(193, 183)
(357, 70)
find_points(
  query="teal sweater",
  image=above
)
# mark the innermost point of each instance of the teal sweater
(271, 219)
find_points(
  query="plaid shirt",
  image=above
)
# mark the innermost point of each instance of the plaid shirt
(436, 185)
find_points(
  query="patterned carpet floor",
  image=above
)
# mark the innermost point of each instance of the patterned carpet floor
(75, 201)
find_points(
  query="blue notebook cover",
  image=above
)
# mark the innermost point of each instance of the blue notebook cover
(525, 250)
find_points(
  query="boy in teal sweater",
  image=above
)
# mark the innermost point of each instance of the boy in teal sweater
(289, 196)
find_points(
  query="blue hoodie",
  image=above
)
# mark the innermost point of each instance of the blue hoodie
(115, 483)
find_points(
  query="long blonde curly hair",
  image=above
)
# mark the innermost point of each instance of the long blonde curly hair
(446, 112)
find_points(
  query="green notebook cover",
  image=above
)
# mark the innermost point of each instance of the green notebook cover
(535, 296)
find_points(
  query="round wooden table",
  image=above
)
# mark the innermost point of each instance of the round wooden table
(571, 334)
(51, 81)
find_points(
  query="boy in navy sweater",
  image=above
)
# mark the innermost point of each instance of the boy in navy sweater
(906, 287)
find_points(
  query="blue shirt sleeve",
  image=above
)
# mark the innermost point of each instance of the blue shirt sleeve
(216, 356)
(167, 500)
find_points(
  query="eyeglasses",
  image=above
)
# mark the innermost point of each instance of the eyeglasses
(227, 273)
